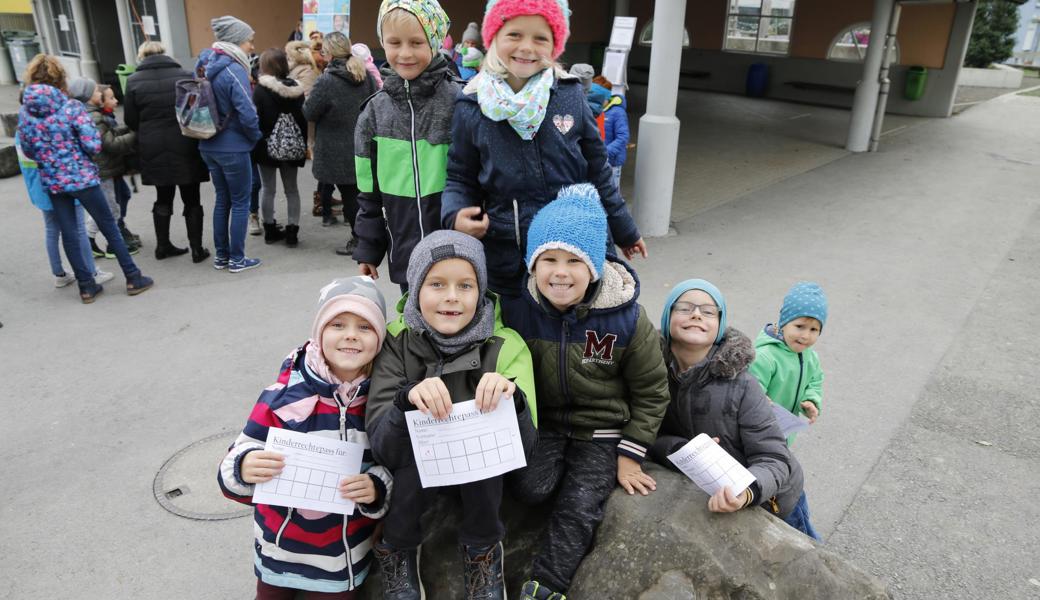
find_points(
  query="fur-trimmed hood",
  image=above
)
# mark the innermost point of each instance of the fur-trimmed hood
(286, 88)
(299, 53)
(727, 359)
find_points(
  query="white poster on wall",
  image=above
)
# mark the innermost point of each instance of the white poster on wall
(63, 23)
(148, 24)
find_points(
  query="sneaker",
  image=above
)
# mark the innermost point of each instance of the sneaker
(103, 276)
(400, 570)
(533, 590)
(65, 279)
(138, 284)
(254, 225)
(348, 250)
(98, 252)
(482, 572)
(329, 221)
(237, 266)
(220, 263)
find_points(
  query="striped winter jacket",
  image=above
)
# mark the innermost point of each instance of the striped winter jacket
(598, 367)
(298, 548)
(401, 162)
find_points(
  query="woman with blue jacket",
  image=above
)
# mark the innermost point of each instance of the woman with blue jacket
(227, 154)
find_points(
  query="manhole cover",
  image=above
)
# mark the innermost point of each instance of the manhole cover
(186, 484)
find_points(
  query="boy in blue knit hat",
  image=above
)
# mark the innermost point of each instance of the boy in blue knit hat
(600, 379)
(789, 369)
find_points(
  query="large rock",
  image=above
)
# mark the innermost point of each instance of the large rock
(665, 546)
(8, 159)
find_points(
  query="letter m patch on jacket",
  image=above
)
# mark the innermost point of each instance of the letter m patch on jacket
(599, 350)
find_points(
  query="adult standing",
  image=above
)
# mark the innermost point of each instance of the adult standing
(226, 66)
(59, 135)
(169, 160)
(334, 106)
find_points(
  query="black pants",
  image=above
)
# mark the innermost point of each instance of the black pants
(349, 193)
(584, 473)
(164, 195)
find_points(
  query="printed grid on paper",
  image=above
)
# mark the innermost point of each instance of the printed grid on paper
(715, 475)
(312, 484)
(469, 454)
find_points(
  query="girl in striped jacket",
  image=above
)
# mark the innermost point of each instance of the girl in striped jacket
(322, 389)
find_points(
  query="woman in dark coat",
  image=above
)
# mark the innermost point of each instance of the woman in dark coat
(168, 159)
(279, 105)
(333, 106)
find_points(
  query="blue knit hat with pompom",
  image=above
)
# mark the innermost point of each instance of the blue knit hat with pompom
(575, 222)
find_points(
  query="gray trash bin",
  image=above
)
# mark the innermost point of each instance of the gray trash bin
(22, 46)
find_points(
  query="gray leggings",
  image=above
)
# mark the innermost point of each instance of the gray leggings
(108, 186)
(269, 185)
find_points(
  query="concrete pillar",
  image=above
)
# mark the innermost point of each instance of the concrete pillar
(659, 128)
(6, 71)
(621, 8)
(88, 66)
(173, 28)
(960, 34)
(865, 102)
(126, 33)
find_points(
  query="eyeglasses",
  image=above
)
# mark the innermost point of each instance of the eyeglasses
(686, 309)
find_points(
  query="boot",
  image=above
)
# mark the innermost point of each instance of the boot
(400, 572)
(272, 233)
(163, 247)
(193, 222)
(292, 235)
(483, 572)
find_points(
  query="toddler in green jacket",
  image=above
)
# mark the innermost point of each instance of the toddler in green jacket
(789, 369)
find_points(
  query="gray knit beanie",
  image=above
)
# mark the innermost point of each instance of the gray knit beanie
(584, 72)
(441, 245)
(82, 88)
(472, 33)
(231, 30)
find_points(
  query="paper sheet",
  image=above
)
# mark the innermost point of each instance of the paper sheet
(711, 467)
(614, 66)
(63, 23)
(314, 466)
(467, 446)
(148, 24)
(622, 33)
(788, 421)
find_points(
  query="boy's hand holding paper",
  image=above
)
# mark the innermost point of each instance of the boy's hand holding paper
(711, 467)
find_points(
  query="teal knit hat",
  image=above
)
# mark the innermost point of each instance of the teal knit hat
(432, 18)
(806, 299)
(575, 222)
(685, 286)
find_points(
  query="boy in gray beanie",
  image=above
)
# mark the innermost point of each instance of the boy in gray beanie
(447, 348)
(83, 89)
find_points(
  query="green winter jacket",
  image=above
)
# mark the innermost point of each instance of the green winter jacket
(409, 357)
(787, 377)
(117, 143)
(600, 371)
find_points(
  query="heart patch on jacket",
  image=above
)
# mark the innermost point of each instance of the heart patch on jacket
(563, 123)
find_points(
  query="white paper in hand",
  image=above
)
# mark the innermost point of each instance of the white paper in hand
(468, 445)
(788, 421)
(711, 467)
(314, 466)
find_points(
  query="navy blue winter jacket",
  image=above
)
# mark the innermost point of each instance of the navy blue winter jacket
(230, 82)
(489, 165)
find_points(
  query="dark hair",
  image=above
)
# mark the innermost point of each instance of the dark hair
(273, 62)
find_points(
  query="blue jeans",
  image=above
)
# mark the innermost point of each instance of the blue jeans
(232, 174)
(93, 201)
(799, 518)
(122, 199)
(54, 234)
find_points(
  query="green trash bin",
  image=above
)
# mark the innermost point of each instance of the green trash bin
(916, 78)
(123, 72)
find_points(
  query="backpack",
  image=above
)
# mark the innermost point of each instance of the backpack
(197, 109)
(286, 140)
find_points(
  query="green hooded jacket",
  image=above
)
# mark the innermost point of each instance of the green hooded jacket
(787, 377)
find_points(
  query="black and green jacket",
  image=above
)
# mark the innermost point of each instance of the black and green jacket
(409, 357)
(600, 372)
(401, 161)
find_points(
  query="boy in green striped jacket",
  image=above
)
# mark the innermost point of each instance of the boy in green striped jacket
(402, 138)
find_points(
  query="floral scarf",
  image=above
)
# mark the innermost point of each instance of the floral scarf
(525, 110)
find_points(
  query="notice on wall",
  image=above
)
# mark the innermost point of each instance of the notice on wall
(148, 24)
(466, 446)
(711, 467)
(314, 467)
(623, 32)
(63, 23)
(326, 16)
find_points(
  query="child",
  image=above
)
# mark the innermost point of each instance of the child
(615, 128)
(471, 59)
(521, 132)
(283, 128)
(789, 370)
(601, 380)
(364, 54)
(321, 389)
(450, 346)
(401, 140)
(713, 393)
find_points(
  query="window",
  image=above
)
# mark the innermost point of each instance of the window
(760, 26)
(64, 27)
(144, 25)
(646, 37)
(851, 45)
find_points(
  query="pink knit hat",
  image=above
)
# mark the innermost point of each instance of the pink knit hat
(556, 12)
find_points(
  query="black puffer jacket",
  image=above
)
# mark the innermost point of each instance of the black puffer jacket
(166, 156)
(717, 396)
(273, 98)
